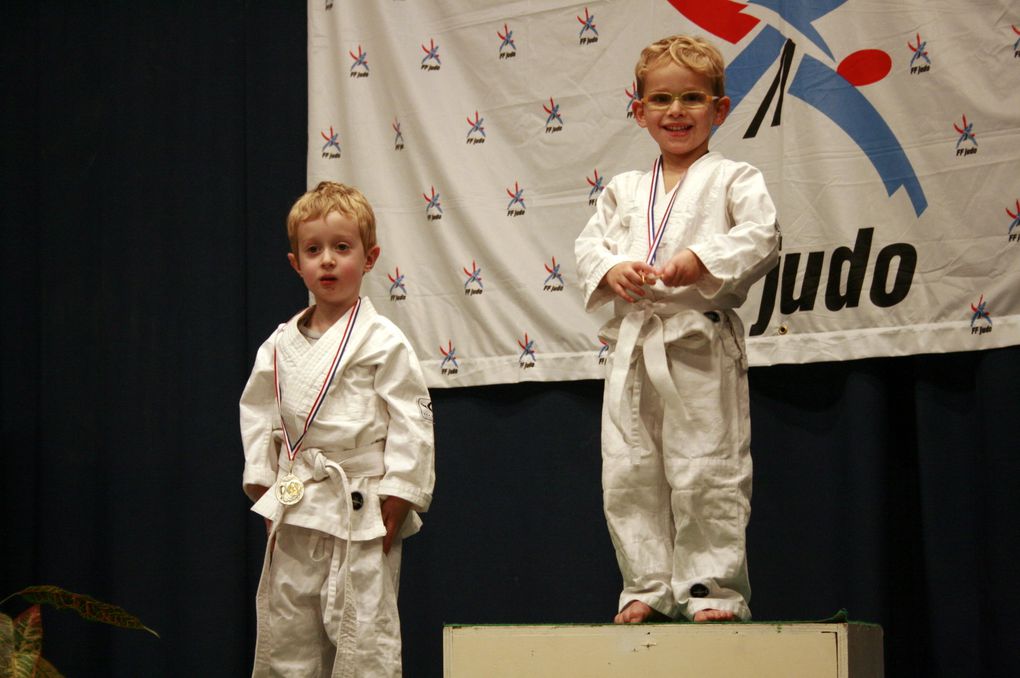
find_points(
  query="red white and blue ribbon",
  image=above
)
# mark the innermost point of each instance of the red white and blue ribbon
(295, 447)
(655, 235)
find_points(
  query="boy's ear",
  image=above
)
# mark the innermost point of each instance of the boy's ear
(638, 107)
(722, 109)
(371, 258)
(294, 263)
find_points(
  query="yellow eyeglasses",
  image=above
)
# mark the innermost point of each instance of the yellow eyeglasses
(692, 100)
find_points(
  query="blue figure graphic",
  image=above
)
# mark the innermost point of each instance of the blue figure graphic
(332, 140)
(1015, 217)
(816, 83)
(966, 133)
(980, 311)
(516, 197)
(631, 97)
(449, 355)
(596, 186)
(554, 273)
(398, 281)
(527, 349)
(359, 59)
(587, 23)
(432, 203)
(919, 51)
(553, 109)
(474, 276)
(507, 36)
(476, 125)
(431, 53)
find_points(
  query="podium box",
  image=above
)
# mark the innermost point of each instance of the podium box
(758, 650)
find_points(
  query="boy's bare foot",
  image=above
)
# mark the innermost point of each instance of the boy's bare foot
(712, 615)
(636, 612)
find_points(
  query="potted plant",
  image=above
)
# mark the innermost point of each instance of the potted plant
(21, 637)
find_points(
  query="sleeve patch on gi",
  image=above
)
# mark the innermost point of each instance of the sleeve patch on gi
(425, 407)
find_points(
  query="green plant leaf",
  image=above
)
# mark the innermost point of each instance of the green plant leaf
(88, 607)
(28, 629)
(27, 642)
(6, 646)
(23, 664)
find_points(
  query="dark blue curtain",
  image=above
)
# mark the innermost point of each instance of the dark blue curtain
(150, 154)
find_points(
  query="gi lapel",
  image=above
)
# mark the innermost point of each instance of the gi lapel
(304, 367)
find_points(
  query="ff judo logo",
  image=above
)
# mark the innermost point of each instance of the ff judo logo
(431, 62)
(554, 279)
(631, 98)
(1014, 224)
(589, 34)
(433, 208)
(397, 290)
(965, 132)
(473, 284)
(476, 134)
(603, 351)
(527, 359)
(359, 69)
(398, 140)
(331, 149)
(919, 62)
(1016, 45)
(980, 318)
(833, 88)
(553, 120)
(507, 48)
(449, 364)
(516, 206)
(596, 187)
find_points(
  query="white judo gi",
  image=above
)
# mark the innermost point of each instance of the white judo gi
(676, 464)
(327, 600)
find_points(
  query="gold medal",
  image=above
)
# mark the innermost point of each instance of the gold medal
(289, 490)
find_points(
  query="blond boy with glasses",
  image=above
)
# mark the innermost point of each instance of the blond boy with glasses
(676, 249)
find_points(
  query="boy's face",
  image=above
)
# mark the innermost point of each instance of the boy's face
(681, 133)
(331, 260)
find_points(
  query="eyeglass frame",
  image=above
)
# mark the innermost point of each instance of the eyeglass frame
(678, 98)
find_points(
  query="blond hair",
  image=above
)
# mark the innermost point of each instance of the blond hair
(330, 196)
(695, 53)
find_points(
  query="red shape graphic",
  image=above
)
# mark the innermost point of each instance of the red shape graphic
(865, 67)
(722, 18)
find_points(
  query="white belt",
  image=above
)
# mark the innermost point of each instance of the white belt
(650, 328)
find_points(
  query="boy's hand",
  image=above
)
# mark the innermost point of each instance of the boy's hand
(394, 511)
(684, 268)
(626, 279)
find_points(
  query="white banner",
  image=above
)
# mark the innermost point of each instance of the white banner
(482, 132)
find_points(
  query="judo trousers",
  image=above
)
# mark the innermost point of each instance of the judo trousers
(677, 479)
(298, 630)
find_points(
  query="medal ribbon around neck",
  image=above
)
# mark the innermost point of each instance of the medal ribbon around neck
(295, 447)
(655, 235)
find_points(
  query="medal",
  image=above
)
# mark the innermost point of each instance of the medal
(289, 490)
